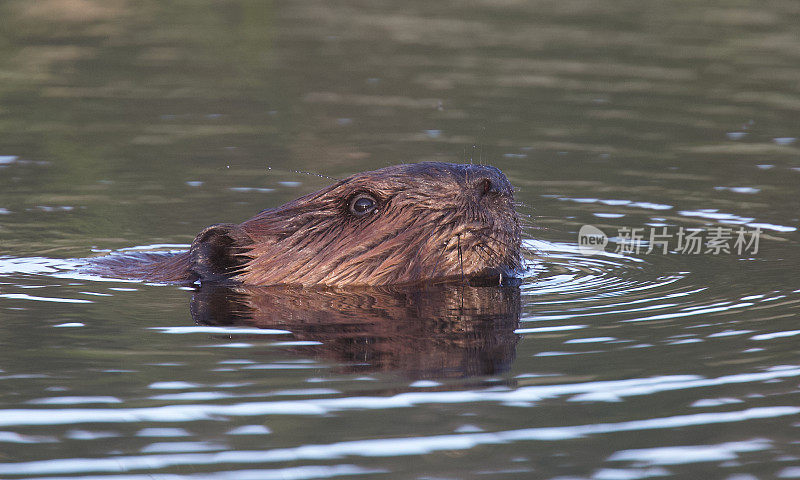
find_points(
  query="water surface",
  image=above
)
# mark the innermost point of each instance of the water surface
(136, 125)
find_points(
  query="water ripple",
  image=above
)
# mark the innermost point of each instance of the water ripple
(601, 391)
(384, 447)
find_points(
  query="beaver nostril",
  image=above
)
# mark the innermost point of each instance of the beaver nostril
(487, 186)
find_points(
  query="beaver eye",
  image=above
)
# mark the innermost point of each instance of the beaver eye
(362, 204)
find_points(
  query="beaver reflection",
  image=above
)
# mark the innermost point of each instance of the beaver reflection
(435, 331)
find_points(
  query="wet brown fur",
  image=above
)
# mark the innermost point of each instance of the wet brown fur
(433, 222)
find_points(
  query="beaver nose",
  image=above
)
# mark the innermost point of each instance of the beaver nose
(485, 180)
(487, 186)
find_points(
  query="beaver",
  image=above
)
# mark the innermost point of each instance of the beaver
(403, 224)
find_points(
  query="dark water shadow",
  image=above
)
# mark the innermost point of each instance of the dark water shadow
(433, 332)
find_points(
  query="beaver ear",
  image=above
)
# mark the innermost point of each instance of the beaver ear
(216, 252)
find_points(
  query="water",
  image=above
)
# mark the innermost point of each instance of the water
(133, 126)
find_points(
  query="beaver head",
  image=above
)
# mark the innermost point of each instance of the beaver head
(397, 225)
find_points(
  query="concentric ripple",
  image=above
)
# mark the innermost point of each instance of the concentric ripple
(614, 292)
